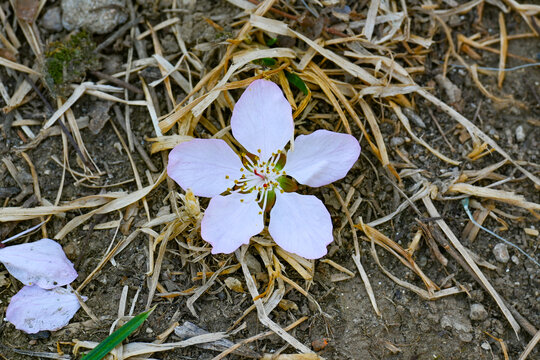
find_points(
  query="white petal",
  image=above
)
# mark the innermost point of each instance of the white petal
(301, 224)
(321, 157)
(262, 119)
(34, 309)
(229, 222)
(42, 263)
(206, 166)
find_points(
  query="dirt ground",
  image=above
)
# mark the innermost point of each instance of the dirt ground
(410, 327)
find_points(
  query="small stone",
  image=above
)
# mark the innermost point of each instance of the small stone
(149, 330)
(520, 134)
(95, 16)
(515, 260)
(501, 253)
(485, 345)
(52, 19)
(457, 322)
(478, 312)
(414, 117)
(397, 141)
(465, 337)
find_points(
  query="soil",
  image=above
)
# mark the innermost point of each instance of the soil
(409, 327)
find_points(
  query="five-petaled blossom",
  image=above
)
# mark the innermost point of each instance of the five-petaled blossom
(243, 188)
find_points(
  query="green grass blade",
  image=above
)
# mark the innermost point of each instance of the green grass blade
(117, 337)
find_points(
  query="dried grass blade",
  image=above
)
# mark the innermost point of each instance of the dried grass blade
(238, 62)
(371, 18)
(367, 284)
(494, 194)
(473, 130)
(263, 317)
(405, 121)
(504, 50)
(77, 93)
(16, 66)
(530, 346)
(432, 210)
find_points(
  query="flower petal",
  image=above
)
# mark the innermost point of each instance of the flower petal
(262, 119)
(206, 166)
(34, 309)
(42, 263)
(321, 157)
(230, 221)
(301, 224)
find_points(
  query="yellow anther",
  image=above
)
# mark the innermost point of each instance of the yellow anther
(259, 151)
(241, 200)
(226, 176)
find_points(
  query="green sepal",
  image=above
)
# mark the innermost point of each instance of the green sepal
(104, 347)
(281, 162)
(270, 200)
(297, 82)
(288, 184)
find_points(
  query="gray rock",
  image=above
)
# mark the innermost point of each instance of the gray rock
(95, 16)
(501, 253)
(414, 117)
(520, 134)
(52, 19)
(397, 141)
(478, 312)
(456, 322)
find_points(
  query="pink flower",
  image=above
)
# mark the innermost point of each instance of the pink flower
(40, 305)
(243, 188)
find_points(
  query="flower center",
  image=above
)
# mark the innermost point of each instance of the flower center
(260, 176)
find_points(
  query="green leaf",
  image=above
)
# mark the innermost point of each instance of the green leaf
(265, 61)
(271, 41)
(297, 82)
(117, 337)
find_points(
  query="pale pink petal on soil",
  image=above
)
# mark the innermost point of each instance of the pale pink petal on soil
(321, 157)
(229, 222)
(262, 119)
(34, 309)
(42, 263)
(206, 166)
(301, 224)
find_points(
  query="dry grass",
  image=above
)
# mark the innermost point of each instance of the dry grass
(378, 80)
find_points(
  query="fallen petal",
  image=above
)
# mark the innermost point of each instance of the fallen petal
(206, 166)
(262, 119)
(42, 263)
(230, 221)
(34, 309)
(321, 157)
(301, 224)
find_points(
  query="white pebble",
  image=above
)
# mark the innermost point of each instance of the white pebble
(501, 253)
(520, 134)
